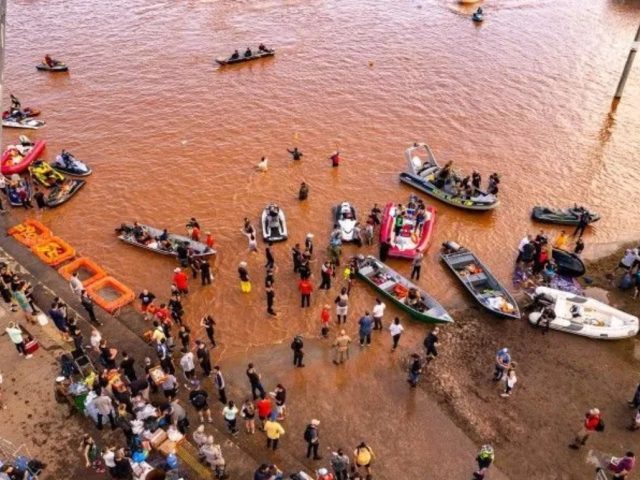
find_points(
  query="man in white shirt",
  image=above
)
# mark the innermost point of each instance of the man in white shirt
(396, 330)
(378, 313)
(76, 284)
(188, 365)
(104, 406)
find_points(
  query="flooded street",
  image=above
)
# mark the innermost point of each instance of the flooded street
(170, 135)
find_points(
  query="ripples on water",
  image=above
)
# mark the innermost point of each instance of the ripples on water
(527, 94)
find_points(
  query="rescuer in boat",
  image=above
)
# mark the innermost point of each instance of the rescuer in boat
(248, 53)
(50, 62)
(443, 175)
(235, 55)
(140, 234)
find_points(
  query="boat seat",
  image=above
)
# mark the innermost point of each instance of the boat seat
(478, 277)
(386, 285)
(366, 271)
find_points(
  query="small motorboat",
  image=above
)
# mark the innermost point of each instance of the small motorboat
(345, 218)
(58, 67)
(579, 315)
(69, 164)
(26, 123)
(64, 191)
(14, 186)
(567, 216)
(274, 224)
(42, 172)
(422, 172)
(241, 59)
(479, 281)
(412, 239)
(17, 158)
(478, 15)
(151, 240)
(568, 264)
(407, 296)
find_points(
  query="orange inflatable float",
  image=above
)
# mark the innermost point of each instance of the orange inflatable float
(110, 294)
(53, 251)
(30, 232)
(83, 264)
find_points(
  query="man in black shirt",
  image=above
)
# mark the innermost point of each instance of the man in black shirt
(126, 365)
(431, 344)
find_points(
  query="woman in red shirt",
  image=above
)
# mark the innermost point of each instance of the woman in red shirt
(181, 281)
(591, 421)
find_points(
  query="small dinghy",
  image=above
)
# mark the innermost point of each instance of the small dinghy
(67, 163)
(422, 171)
(14, 186)
(345, 217)
(567, 216)
(584, 316)
(274, 224)
(58, 67)
(63, 192)
(241, 59)
(17, 158)
(415, 232)
(42, 172)
(407, 296)
(160, 241)
(479, 281)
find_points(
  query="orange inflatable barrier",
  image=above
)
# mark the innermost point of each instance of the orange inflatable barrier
(30, 232)
(82, 264)
(110, 294)
(53, 251)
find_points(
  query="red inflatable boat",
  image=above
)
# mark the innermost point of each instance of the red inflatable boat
(411, 238)
(13, 161)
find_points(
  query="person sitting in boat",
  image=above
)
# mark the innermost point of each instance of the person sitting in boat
(235, 55)
(15, 104)
(164, 236)
(50, 62)
(493, 187)
(576, 311)
(443, 175)
(476, 179)
(479, 11)
(262, 48)
(412, 297)
(248, 53)
(140, 234)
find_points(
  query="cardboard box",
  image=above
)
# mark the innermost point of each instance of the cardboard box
(157, 438)
(167, 447)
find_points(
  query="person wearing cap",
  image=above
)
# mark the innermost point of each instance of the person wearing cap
(341, 344)
(592, 421)
(274, 431)
(503, 362)
(312, 438)
(181, 281)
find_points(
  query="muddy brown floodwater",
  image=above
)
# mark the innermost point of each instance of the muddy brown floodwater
(170, 135)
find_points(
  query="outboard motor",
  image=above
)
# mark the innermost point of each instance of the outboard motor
(450, 246)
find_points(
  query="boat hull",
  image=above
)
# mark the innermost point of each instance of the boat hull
(201, 250)
(384, 280)
(483, 286)
(235, 61)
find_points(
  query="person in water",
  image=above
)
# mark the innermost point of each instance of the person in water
(295, 153)
(235, 55)
(304, 191)
(335, 159)
(248, 53)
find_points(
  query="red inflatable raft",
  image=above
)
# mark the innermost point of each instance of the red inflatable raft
(411, 238)
(15, 162)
